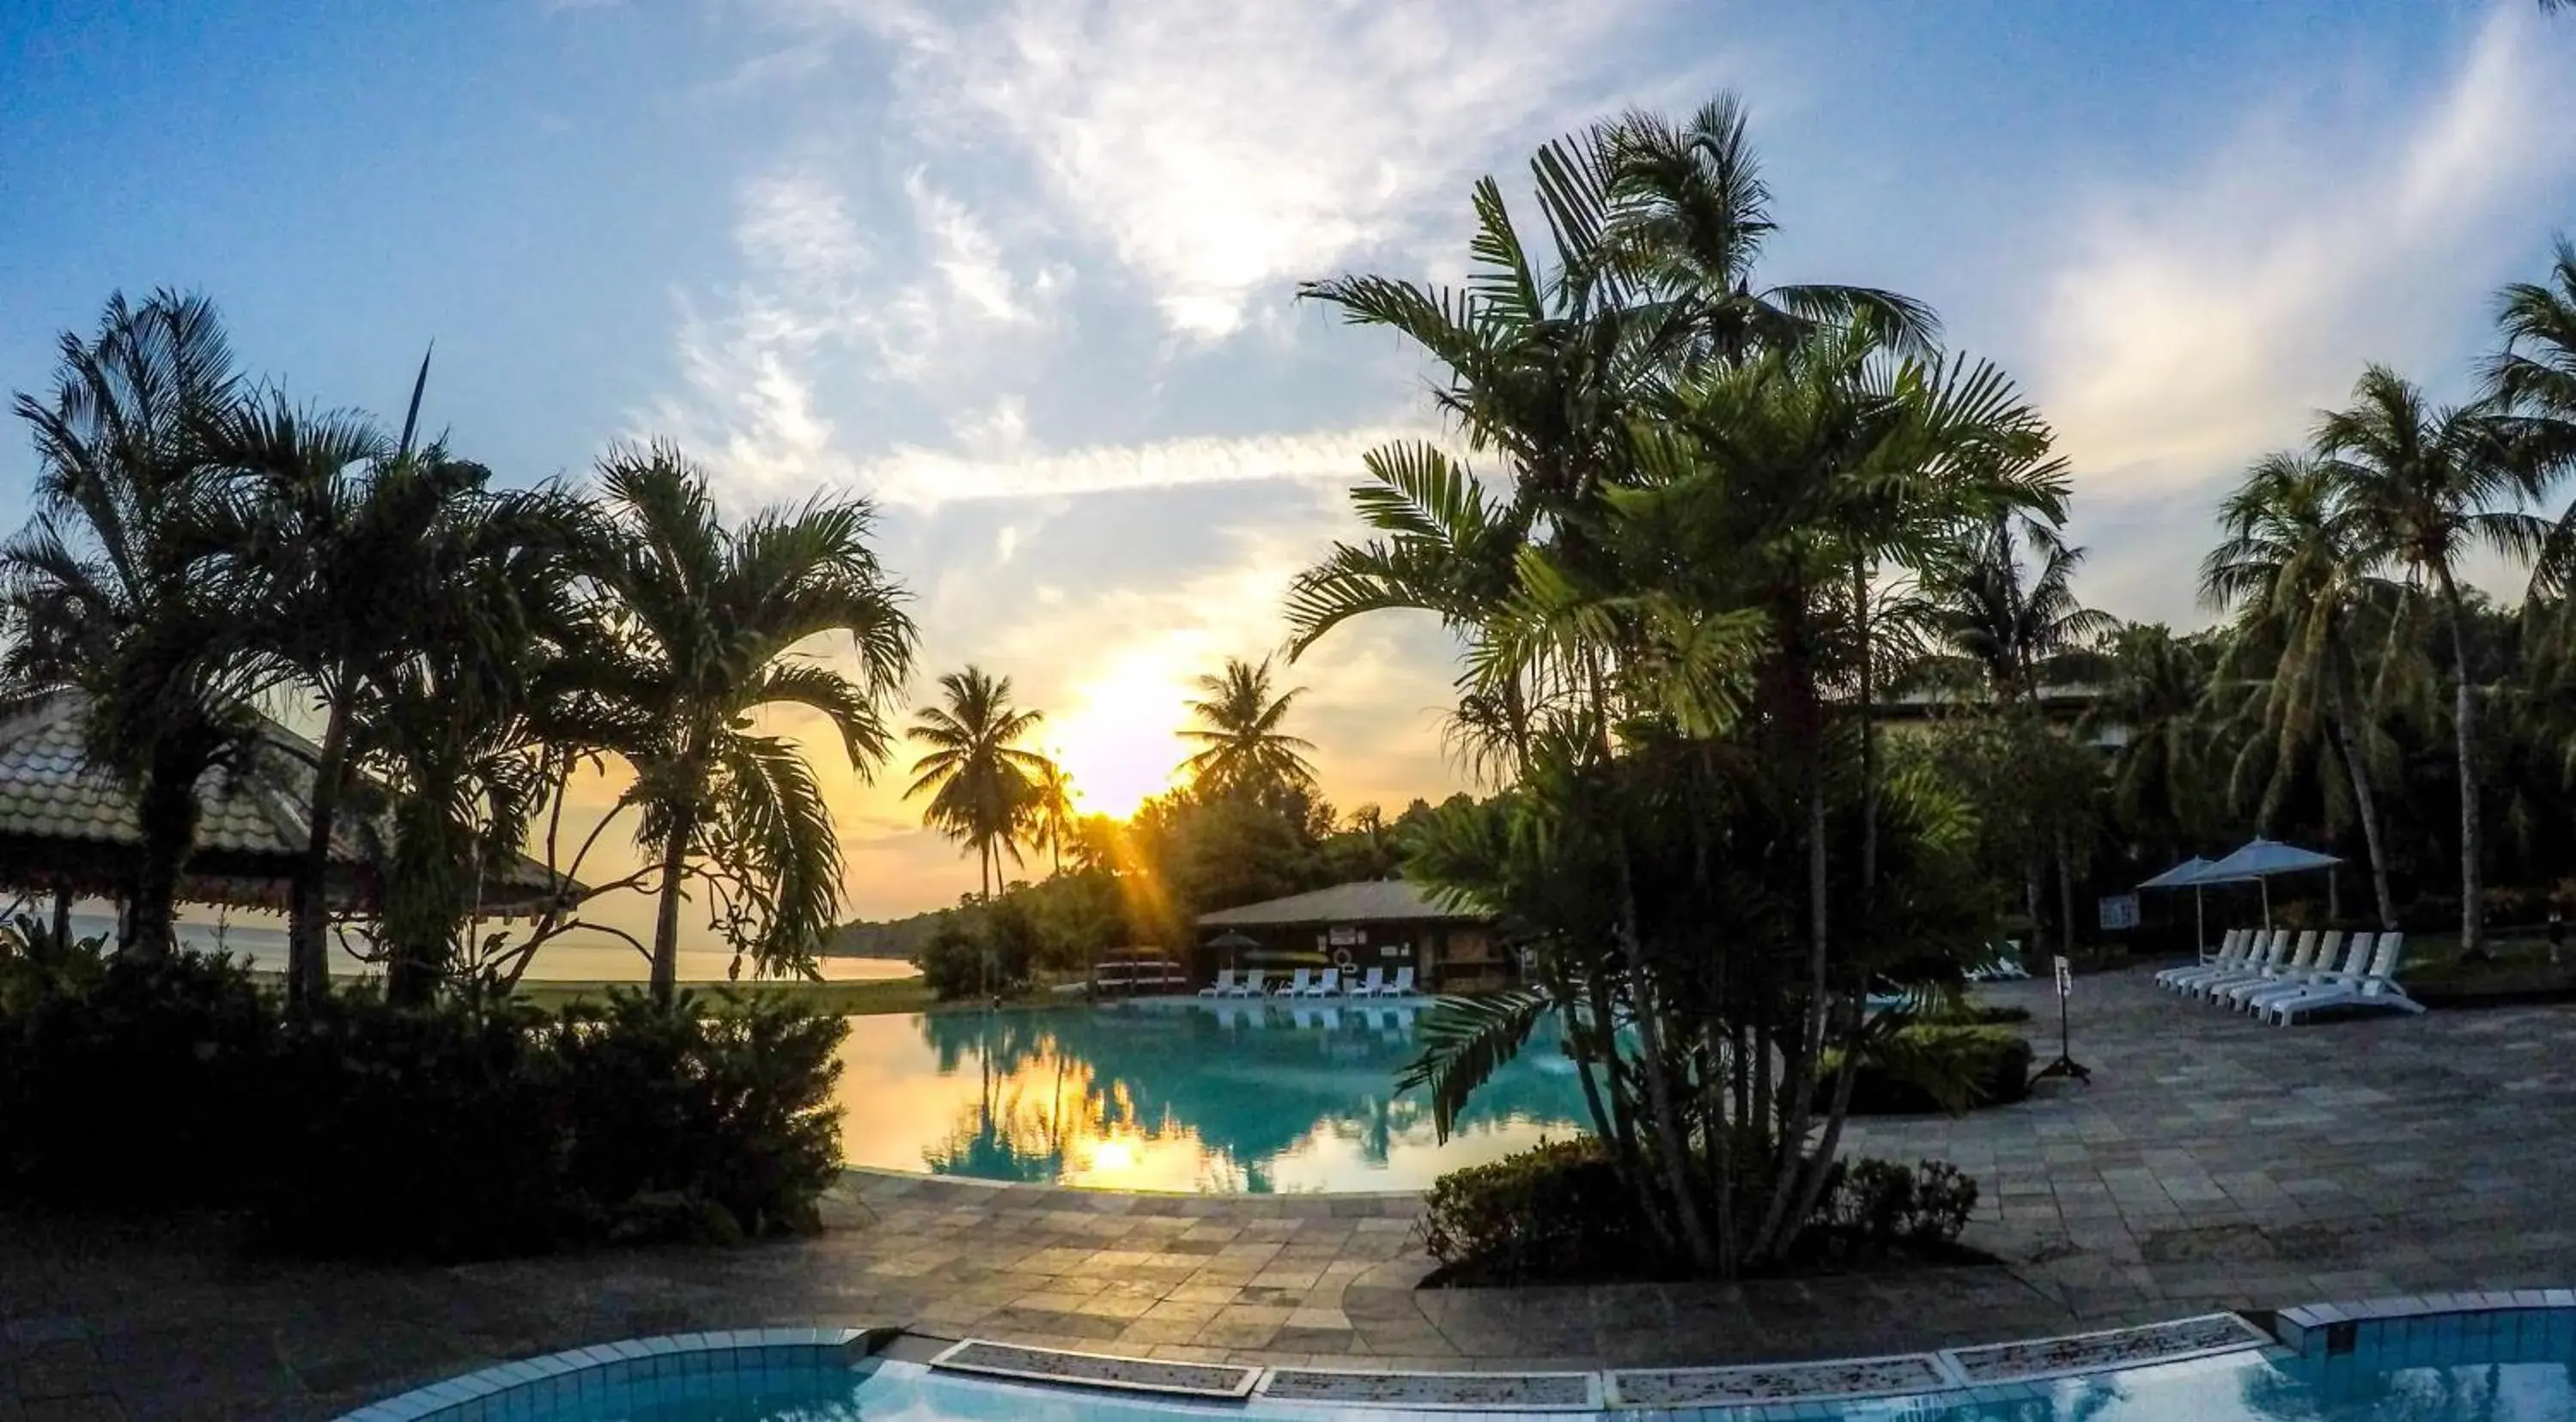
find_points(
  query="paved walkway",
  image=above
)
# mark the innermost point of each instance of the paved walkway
(2215, 1163)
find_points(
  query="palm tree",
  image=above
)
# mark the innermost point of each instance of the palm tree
(978, 779)
(2288, 566)
(1054, 818)
(1687, 215)
(1242, 750)
(2154, 696)
(101, 595)
(2424, 485)
(2016, 628)
(702, 624)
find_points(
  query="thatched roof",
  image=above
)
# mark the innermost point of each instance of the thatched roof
(67, 824)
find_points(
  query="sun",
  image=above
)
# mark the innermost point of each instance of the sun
(1117, 742)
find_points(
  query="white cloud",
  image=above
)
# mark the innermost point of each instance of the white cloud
(2194, 326)
(1221, 155)
(927, 478)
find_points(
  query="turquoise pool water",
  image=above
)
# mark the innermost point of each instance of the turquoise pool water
(2242, 1388)
(1217, 1097)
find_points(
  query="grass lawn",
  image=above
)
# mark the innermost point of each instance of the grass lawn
(2516, 967)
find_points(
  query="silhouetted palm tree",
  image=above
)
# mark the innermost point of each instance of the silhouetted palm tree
(1242, 747)
(1054, 819)
(703, 623)
(2424, 485)
(981, 784)
(102, 595)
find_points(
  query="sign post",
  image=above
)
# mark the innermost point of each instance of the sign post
(2065, 1065)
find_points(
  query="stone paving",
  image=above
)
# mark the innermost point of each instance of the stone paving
(2215, 1163)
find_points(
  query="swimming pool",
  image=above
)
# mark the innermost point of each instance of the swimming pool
(1230, 1097)
(2504, 1365)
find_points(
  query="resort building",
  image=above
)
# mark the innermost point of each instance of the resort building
(1376, 923)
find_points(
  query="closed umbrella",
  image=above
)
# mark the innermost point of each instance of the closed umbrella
(2259, 860)
(1233, 943)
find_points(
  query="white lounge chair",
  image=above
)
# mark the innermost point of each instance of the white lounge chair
(2260, 948)
(1326, 984)
(1295, 986)
(2316, 954)
(2376, 988)
(1403, 984)
(2275, 961)
(1373, 985)
(2356, 964)
(1250, 986)
(2231, 952)
(1222, 987)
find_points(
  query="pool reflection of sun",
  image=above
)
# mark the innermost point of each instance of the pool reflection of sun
(1117, 741)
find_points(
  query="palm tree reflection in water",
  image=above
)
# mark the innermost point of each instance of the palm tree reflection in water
(1247, 1098)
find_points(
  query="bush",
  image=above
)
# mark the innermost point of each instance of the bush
(1886, 1204)
(1557, 1212)
(1554, 1211)
(432, 1133)
(992, 947)
(123, 1083)
(672, 1111)
(1993, 1062)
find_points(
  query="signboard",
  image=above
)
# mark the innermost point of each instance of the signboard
(2119, 911)
(2065, 978)
(1346, 937)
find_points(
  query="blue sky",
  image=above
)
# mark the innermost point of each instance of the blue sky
(1023, 270)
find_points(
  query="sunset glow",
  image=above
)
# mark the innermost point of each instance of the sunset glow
(1118, 741)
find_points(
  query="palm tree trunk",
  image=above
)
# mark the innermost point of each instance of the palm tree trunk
(1672, 1147)
(665, 983)
(1776, 1228)
(1868, 741)
(2366, 802)
(166, 808)
(2464, 721)
(308, 962)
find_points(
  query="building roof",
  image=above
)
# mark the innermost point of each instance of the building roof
(1368, 901)
(68, 823)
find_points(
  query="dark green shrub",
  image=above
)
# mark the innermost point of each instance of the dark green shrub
(1991, 1063)
(672, 1111)
(124, 1083)
(436, 1132)
(424, 1133)
(1886, 1203)
(1554, 1211)
(1557, 1212)
(990, 948)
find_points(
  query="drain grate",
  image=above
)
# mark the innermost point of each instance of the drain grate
(1780, 1382)
(2118, 1348)
(1482, 1392)
(1010, 1360)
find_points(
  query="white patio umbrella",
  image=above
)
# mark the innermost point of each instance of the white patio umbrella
(2189, 874)
(2259, 860)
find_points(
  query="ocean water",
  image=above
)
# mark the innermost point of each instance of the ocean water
(260, 941)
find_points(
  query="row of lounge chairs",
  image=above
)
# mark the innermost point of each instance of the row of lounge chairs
(2273, 975)
(1309, 983)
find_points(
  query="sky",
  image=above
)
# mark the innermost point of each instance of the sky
(1023, 271)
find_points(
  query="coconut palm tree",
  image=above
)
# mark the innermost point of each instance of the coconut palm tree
(102, 596)
(1054, 818)
(982, 785)
(2424, 486)
(1242, 750)
(702, 626)
(2016, 628)
(2287, 567)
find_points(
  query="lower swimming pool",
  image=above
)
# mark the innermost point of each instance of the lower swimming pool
(1231, 1097)
(2509, 1365)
